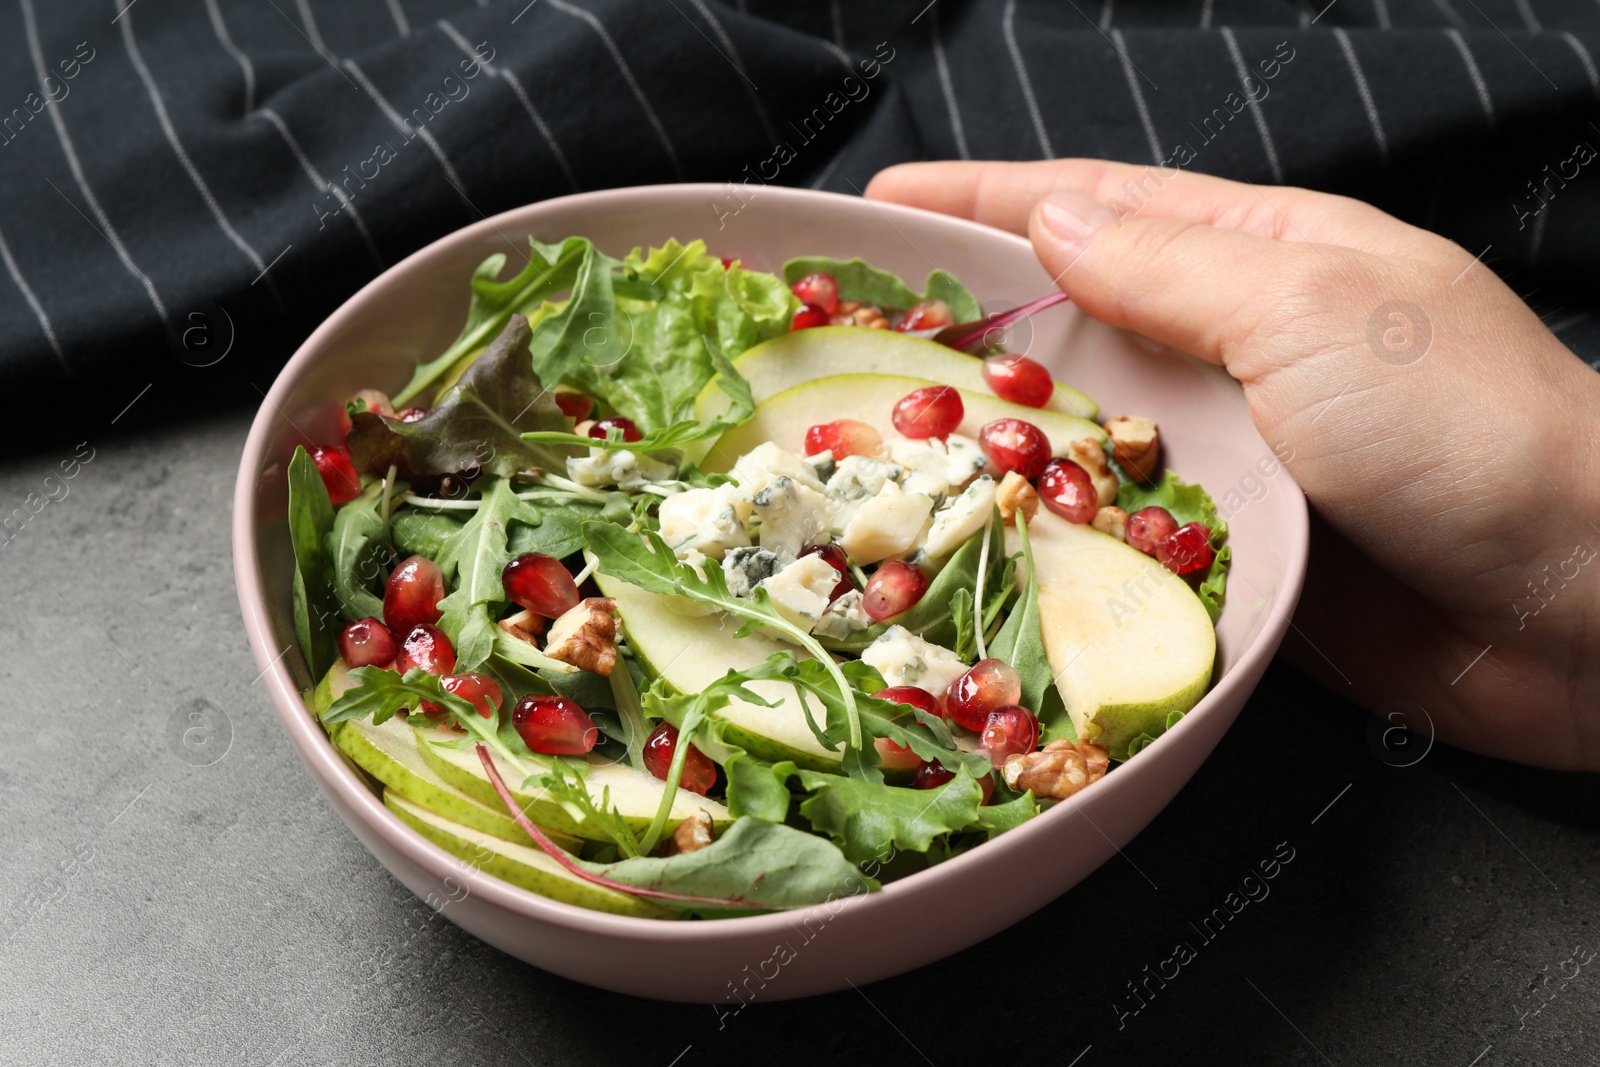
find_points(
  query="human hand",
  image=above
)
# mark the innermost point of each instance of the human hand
(1458, 474)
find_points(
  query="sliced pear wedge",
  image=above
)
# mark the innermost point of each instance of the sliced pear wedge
(784, 362)
(784, 418)
(521, 865)
(1128, 641)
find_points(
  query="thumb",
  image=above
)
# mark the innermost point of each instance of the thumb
(1202, 289)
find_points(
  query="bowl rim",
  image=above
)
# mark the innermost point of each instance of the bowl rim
(346, 787)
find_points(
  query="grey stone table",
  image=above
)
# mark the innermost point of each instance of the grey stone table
(175, 890)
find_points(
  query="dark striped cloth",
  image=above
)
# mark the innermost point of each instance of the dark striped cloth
(174, 170)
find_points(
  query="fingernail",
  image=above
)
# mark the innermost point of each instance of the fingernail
(1071, 219)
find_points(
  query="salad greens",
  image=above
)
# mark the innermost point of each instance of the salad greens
(495, 469)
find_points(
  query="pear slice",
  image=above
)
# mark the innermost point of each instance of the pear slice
(784, 418)
(1129, 643)
(792, 358)
(389, 753)
(521, 865)
(692, 651)
(634, 794)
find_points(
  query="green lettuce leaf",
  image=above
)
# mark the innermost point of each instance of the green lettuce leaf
(316, 605)
(872, 821)
(1188, 503)
(550, 271)
(860, 280)
(472, 562)
(477, 424)
(1020, 643)
(359, 546)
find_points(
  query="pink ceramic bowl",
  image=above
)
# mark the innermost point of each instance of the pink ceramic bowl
(415, 309)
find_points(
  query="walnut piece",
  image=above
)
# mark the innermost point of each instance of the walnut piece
(524, 626)
(844, 314)
(586, 636)
(1113, 521)
(1089, 455)
(692, 834)
(871, 318)
(1058, 770)
(1136, 444)
(1014, 494)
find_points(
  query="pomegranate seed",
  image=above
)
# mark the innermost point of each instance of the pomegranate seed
(1019, 380)
(835, 557)
(630, 432)
(728, 261)
(338, 473)
(818, 291)
(893, 756)
(576, 406)
(1067, 490)
(934, 411)
(931, 775)
(481, 692)
(554, 726)
(985, 686)
(1148, 527)
(1014, 445)
(928, 315)
(367, 643)
(893, 589)
(1008, 731)
(699, 773)
(427, 647)
(913, 695)
(372, 400)
(1188, 550)
(540, 583)
(411, 414)
(845, 438)
(412, 596)
(808, 316)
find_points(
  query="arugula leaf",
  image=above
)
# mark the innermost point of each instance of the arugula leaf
(752, 789)
(316, 606)
(860, 280)
(359, 545)
(755, 862)
(477, 424)
(996, 819)
(644, 560)
(472, 562)
(422, 533)
(553, 530)
(964, 643)
(1188, 503)
(550, 270)
(1020, 641)
(871, 821)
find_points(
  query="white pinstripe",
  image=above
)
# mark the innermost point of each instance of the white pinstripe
(837, 13)
(321, 183)
(510, 79)
(827, 172)
(226, 40)
(108, 231)
(1255, 105)
(738, 65)
(1138, 95)
(33, 301)
(1529, 19)
(1105, 14)
(942, 65)
(1364, 90)
(1586, 59)
(1478, 84)
(838, 53)
(1448, 10)
(398, 13)
(313, 34)
(627, 76)
(1538, 235)
(171, 132)
(1207, 10)
(1009, 29)
(1380, 10)
(422, 131)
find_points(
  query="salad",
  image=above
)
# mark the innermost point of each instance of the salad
(679, 590)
